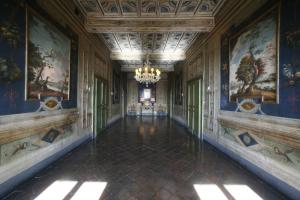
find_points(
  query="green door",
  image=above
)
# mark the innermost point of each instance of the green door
(195, 106)
(100, 106)
(190, 106)
(104, 105)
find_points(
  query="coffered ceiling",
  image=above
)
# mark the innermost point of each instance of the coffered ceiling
(131, 65)
(164, 49)
(151, 7)
(162, 29)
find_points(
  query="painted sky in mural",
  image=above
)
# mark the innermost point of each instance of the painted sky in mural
(253, 62)
(49, 60)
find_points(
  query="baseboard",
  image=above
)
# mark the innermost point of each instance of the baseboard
(10, 184)
(113, 120)
(280, 185)
(180, 121)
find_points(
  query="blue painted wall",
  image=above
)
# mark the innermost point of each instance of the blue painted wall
(13, 49)
(289, 60)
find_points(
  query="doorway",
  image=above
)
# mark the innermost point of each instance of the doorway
(100, 99)
(194, 105)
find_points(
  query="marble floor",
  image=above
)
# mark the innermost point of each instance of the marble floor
(147, 159)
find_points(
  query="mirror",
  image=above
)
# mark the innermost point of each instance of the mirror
(147, 93)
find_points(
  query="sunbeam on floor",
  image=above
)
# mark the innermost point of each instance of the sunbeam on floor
(57, 190)
(90, 191)
(214, 192)
(242, 192)
(209, 192)
(60, 189)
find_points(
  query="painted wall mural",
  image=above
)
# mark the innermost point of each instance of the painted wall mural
(253, 61)
(48, 57)
(282, 154)
(16, 149)
(12, 61)
(260, 78)
(290, 59)
(10, 35)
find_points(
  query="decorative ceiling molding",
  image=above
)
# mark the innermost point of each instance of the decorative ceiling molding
(146, 24)
(162, 29)
(148, 43)
(171, 8)
(131, 65)
(152, 56)
(164, 49)
(103, 16)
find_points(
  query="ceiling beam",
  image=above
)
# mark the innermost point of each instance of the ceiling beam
(131, 68)
(152, 56)
(102, 24)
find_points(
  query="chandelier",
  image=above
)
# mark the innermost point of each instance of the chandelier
(147, 74)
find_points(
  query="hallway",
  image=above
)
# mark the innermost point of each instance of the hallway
(148, 158)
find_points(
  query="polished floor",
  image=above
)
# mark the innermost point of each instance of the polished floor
(149, 159)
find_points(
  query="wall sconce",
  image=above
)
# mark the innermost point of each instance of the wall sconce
(182, 94)
(209, 89)
(111, 93)
(87, 88)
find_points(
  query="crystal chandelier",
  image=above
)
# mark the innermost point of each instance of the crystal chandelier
(147, 74)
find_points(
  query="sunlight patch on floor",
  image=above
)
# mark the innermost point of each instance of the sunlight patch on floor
(58, 190)
(90, 191)
(242, 192)
(209, 192)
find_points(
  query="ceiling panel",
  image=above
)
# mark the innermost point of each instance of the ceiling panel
(209, 5)
(165, 66)
(149, 42)
(109, 7)
(160, 29)
(129, 7)
(189, 6)
(168, 6)
(90, 5)
(151, 7)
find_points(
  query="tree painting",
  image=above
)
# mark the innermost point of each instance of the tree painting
(48, 60)
(253, 62)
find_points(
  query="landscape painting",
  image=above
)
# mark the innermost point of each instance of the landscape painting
(253, 61)
(48, 59)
